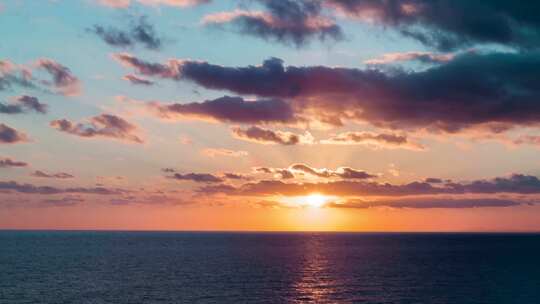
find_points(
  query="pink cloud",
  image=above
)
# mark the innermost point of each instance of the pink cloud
(424, 57)
(127, 3)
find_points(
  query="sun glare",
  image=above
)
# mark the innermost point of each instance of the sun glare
(313, 200)
(316, 200)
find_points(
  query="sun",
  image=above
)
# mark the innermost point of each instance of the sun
(312, 200)
(316, 200)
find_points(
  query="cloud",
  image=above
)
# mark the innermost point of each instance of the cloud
(60, 175)
(67, 201)
(236, 176)
(423, 57)
(14, 75)
(48, 190)
(65, 82)
(23, 104)
(449, 24)
(496, 91)
(342, 172)
(325, 173)
(303, 169)
(278, 172)
(433, 180)
(428, 203)
(284, 173)
(156, 199)
(350, 173)
(197, 177)
(8, 162)
(212, 152)
(514, 184)
(32, 103)
(140, 32)
(527, 140)
(169, 70)
(9, 135)
(373, 140)
(115, 3)
(266, 136)
(127, 3)
(291, 22)
(134, 79)
(104, 125)
(229, 109)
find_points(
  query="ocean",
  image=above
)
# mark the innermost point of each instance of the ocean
(193, 267)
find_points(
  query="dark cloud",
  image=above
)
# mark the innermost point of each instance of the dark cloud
(451, 24)
(62, 80)
(292, 170)
(48, 190)
(134, 79)
(139, 32)
(381, 140)
(433, 180)
(350, 173)
(12, 75)
(495, 90)
(67, 201)
(342, 172)
(10, 108)
(169, 70)
(231, 109)
(266, 136)
(514, 184)
(104, 125)
(60, 175)
(32, 103)
(292, 22)
(284, 173)
(197, 177)
(428, 203)
(8, 162)
(278, 172)
(236, 176)
(9, 135)
(22, 104)
(65, 82)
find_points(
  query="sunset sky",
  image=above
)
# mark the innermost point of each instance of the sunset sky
(336, 115)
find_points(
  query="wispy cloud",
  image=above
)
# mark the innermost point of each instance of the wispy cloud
(265, 136)
(140, 32)
(291, 22)
(23, 104)
(104, 125)
(8, 162)
(214, 152)
(59, 175)
(9, 135)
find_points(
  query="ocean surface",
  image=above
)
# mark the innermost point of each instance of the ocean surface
(171, 267)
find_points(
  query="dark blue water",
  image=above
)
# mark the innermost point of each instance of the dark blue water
(144, 267)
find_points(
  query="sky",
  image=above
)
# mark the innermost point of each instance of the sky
(270, 115)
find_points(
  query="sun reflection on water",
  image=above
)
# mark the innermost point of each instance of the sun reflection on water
(315, 284)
